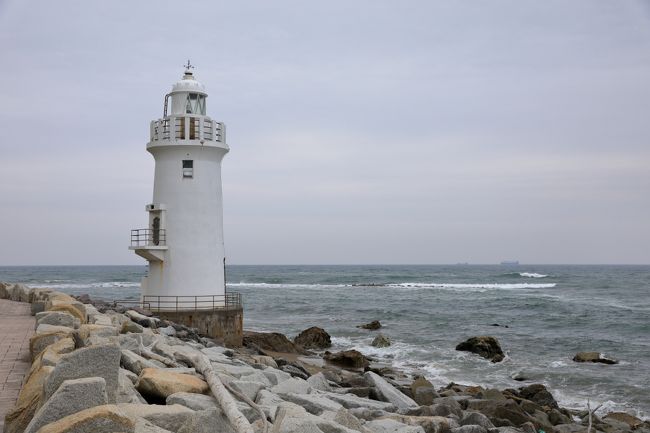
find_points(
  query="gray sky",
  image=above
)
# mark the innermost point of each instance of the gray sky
(360, 131)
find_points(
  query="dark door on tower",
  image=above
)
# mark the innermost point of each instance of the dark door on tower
(156, 230)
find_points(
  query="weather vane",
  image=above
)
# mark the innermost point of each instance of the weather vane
(188, 66)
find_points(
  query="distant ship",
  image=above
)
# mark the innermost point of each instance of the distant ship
(510, 262)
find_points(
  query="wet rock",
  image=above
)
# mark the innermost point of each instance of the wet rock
(347, 359)
(538, 393)
(593, 357)
(373, 326)
(381, 341)
(99, 419)
(94, 361)
(71, 397)
(160, 383)
(632, 421)
(486, 346)
(272, 341)
(313, 338)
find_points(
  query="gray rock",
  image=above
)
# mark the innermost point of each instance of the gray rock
(476, 418)
(446, 410)
(313, 403)
(57, 318)
(168, 331)
(126, 392)
(388, 392)
(46, 329)
(392, 426)
(469, 429)
(292, 418)
(167, 417)
(144, 426)
(94, 361)
(233, 370)
(37, 307)
(131, 326)
(275, 376)
(249, 389)
(351, 401)
(192, 400)
(258, 376)
(207, 421)
(292, 385)
(134, 362)
(141, 319)
(71, 397)
(269, 403)
(319, 382)
(381, 341)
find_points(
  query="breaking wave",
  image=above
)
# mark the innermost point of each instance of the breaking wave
(450, 286)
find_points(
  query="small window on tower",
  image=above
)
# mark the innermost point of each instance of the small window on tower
(188, 168)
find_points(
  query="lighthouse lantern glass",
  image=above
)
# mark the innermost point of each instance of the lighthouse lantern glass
(195, 104)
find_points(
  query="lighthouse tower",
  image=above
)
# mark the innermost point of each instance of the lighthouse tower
(183, 242)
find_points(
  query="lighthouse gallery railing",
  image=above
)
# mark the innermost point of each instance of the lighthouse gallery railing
(230, 300)
(148, 237)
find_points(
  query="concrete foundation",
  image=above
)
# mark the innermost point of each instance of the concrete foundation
(226, 325)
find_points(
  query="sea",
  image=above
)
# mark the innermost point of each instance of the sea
(545, 314)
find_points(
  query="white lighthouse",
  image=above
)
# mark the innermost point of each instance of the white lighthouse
(183, 242)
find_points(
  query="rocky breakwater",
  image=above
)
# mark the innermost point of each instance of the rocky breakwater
(109, 371)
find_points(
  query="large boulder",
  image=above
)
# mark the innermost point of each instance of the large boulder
(159, 383)
(94, 361)
(373, 326)
(39, 342)
(99, 419)
(170, 417)
(381, 341)
(388, 392)
(71, 397)
(192, 400)
(134, 362)
(347, 359)
(593, 357)
(29, 400)
(207, 421)
(271, 341)
(537, 393)
(58, 318)
(313, 338)
(387, 425)
(423, 391)
(486, 346)
(632, 421)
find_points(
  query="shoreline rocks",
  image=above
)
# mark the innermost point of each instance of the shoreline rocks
(372, 326)
(596, 357)
(313, 338)
(102, 375)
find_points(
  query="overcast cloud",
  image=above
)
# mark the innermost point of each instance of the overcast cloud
(360, 131)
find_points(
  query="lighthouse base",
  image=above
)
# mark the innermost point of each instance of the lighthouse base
(226, 325)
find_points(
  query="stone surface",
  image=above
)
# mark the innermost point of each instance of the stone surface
(347, 359)
(381, 341)
(71, 397)
(313, 403)
(423, 391)
(269, 403)
(29, 400)
(632, 421)
(134, 362)
(207, 421)
(469, 429)
(192, 400)
(99, 419)
(319, 381)
(374, 325)
(168, 417)
(430, 424)
(313, 338)
(248, 388)
(131, 326)
(58, 318)
(476, 418)
(159, 383)
(593, 357)
(388, 392)
(275, 376)
(538, 393)
(38, 343)
(351, 401)
(95, 361)
(387, 425)
(273, 341)
(126, 392)
(292, 385)
(486, 346)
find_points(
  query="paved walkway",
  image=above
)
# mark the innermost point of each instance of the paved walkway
(16, 326)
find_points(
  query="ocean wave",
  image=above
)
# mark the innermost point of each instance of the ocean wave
(524, 275)
(451, 286)
(98, 285)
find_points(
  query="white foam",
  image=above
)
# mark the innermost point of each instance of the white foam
(532, 275)
(100, 285)
(484, 286)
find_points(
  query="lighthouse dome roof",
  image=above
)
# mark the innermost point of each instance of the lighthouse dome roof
(188, 84)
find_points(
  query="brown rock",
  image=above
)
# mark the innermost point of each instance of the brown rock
(99, 419)
(628, 419)
(72, 308)
(373, 326)
(39, 342)
(313, 338)
(538, 393)
(159, 383)
(423, 391)
(593, 357)
(347, 359)
(485, 346)
(272, 341)
(29, 400)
